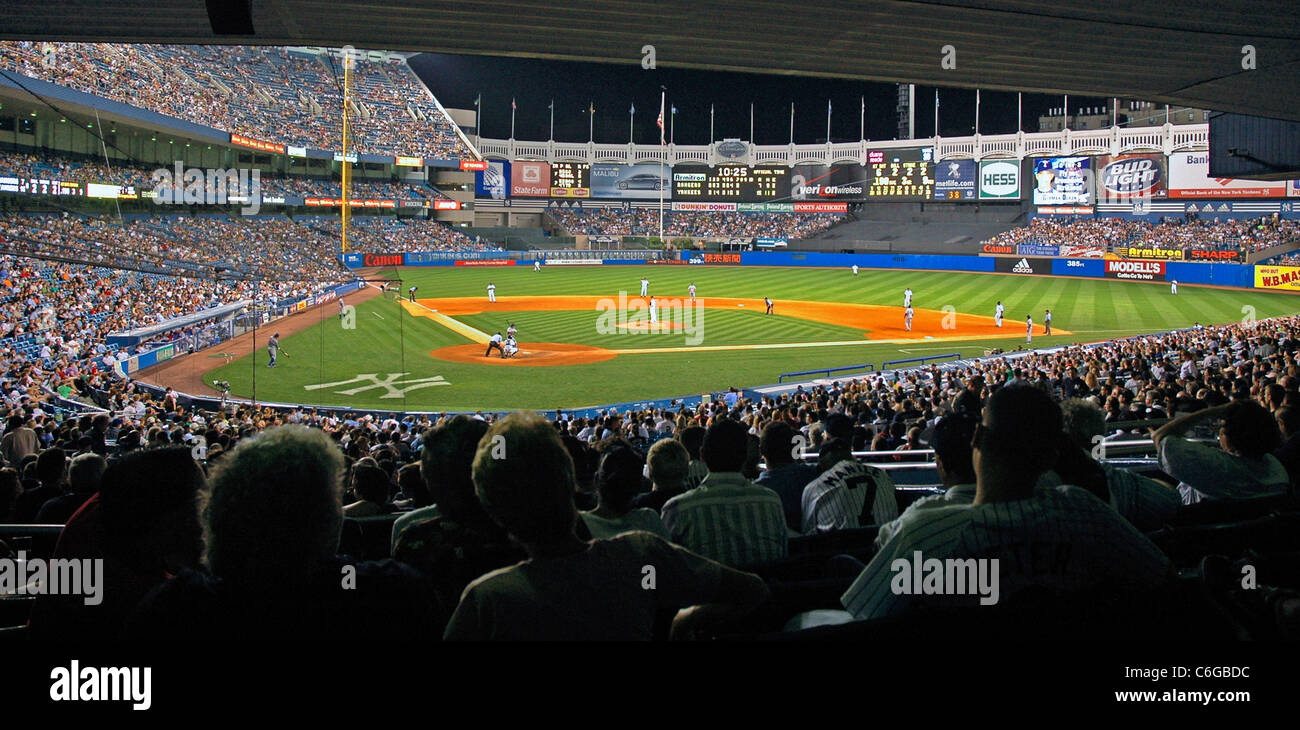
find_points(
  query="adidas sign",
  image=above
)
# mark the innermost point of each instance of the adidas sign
(1022, 267)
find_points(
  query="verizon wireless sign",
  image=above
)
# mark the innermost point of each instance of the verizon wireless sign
(1136, 270)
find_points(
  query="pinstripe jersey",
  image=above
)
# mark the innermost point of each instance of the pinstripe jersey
(729, 519)
(696, 470)
(1061, 539)
(1146, 503)
(956, 494)
(837, 499)
(1207, 472)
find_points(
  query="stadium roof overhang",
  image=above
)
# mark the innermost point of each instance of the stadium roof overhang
(1189, 53)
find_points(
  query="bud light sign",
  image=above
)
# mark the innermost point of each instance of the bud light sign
(1130, 177)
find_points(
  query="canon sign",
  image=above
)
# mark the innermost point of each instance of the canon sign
(1138, 270)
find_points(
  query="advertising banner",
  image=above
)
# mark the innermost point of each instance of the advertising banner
(485, 262)
(1075, 267)
(1277, 277)
(1082, 251)
(954, 180)
(765, 207)
(381, 259)
(1037, 249)
(1189, 177)
(1023, 265)
(996, 248)
(715, 258)
(1062, 181)
(1136, 270)
(1222, 256)
(829, 182)
(611, 181)
(493, 181)
(821, 207)
(530, 179)
(704, 207)
(255, 144)
(999, 179)
(1150, 252)
(1128, 177)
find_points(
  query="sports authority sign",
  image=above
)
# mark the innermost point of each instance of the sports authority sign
(1136, 270)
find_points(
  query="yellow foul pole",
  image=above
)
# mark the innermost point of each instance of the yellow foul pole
(347, 90)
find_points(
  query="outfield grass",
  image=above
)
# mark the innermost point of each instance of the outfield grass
(386, 340)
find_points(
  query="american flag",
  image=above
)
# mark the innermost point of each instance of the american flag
(660, 122)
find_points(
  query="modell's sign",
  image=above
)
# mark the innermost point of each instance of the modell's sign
(1136, 270)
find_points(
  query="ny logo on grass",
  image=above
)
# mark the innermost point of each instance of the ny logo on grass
(388, 384)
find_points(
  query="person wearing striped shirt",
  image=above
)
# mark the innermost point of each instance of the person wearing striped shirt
(847, 494)
(951, 441)
(1146, 503)
(728, 518)
(1062, 540)
(1241, 468)
(693, 438)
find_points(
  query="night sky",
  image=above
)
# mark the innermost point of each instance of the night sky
(457, 80)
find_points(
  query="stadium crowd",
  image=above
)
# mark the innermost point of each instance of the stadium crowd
(1194, 233)
(270, 94)
(645, 222)
(25, 165)
(549, 540)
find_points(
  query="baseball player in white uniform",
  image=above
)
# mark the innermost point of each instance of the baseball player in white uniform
(645, 286)
(537, 265)
(907, 297)
(654, 311)
(691, 289)
(1029, 328)
(855, 269)
(997, 314)
(1047, 321)
(1173, 287)
(907, 319)
(492, 292)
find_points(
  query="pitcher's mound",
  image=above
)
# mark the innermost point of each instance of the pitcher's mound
(532, 354)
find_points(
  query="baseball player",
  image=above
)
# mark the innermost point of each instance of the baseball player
(1173, 287)
(855, 269)
(492, 292)
(907, 297)
(1047, 321)
(495, 343)
(645, 286)
(342, 308)
(411, 292)
(691, 289)
(997, 314)
(537, 265)
(273, 348)
(768, 302)
(654, 311)
(907, 319)
(1029, 328)
(510, 331)
(511, 347)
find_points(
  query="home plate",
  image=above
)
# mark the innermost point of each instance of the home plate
(929, 337)
(740, 305)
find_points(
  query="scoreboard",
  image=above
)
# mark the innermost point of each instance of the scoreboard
(731, 183)
(41, 186)
(570, 180)
(900, 174)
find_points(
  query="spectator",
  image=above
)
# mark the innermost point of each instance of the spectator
(667, 465)
(847, 494)
(570, 589)
(1062, 540)
(19, 440)
(618, 481)
(51, 470)
(728, 518)
(84, 474)
(1243, 468)
(785, 474)
(372, 488)
(271, 529)
(951, 441)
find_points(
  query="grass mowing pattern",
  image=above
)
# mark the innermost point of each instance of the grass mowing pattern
(387, 341)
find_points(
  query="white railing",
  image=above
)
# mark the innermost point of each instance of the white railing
(1167, 139)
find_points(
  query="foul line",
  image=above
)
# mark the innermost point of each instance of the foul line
(419, 310)
(777, 346)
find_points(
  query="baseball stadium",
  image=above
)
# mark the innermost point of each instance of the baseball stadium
(270, 311)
